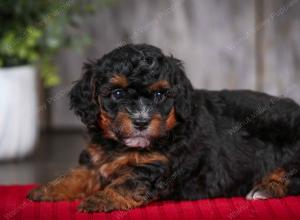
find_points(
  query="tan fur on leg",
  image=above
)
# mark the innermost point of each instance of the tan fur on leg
(77, 184)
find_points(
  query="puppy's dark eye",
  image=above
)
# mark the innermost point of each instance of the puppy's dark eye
(118, 94)
(158, 96)
(150, 61)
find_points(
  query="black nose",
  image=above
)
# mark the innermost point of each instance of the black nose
(141, 124)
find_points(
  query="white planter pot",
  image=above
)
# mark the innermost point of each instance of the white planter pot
(18, 111)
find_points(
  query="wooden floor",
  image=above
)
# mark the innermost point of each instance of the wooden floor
(55, 154)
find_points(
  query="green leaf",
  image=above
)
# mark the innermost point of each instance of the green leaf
(35, 31)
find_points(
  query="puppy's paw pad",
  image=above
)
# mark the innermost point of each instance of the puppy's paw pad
(257, 194)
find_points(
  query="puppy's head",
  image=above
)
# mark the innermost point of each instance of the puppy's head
(133, 95)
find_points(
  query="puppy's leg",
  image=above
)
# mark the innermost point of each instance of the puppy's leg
(123, 193)
(135, 186)
(79, 183)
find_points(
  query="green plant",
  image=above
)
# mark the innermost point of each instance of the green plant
(34, 31)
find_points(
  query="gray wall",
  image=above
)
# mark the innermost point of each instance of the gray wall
(224, 43)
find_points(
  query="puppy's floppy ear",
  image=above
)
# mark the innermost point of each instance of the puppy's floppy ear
(178, 78)
(82, 96)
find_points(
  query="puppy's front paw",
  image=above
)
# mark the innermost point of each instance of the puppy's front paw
(38, 194)
(100, 203)
(45, 193)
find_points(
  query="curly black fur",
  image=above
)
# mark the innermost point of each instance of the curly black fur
(224, 142)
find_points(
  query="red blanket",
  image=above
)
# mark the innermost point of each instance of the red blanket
(14, 205)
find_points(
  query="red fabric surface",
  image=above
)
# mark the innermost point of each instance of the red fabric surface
(14, 205)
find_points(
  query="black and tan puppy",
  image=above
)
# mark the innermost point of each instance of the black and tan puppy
(154, 137)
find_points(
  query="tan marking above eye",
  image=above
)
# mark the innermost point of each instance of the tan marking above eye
(119, 80)
(162, 84)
